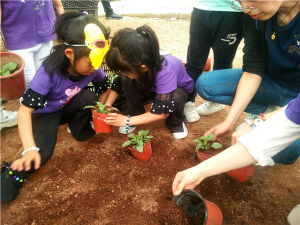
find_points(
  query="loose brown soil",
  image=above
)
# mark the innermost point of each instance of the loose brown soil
(99, 182)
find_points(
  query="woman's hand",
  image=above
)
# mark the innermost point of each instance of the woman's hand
(220, 130)
(187, 179)
(24, 163)
(116, 119)
(240, 132)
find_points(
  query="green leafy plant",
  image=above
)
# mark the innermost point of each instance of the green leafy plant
(101, 108)
(8, 68)
(205, 142)
(138, 141)
(111, 77)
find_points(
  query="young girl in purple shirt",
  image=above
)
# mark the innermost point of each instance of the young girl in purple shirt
(134, 55)
(57, 96)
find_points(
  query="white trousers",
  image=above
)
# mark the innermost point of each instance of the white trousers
(33, 58)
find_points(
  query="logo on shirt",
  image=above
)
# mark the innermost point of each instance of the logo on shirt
(70, 93)
(231, 39)
(295, 48)
(37, 3)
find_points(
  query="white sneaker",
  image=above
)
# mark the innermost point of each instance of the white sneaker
(294, 216)
(8, 118)
(190, 112)
(181, 135)
(208, 108)
(122, 130)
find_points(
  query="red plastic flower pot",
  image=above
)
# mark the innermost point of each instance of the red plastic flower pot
(99, 125)
(240, 175)
(12, 86)
(145, 154)
(207, 65)
(214, 214)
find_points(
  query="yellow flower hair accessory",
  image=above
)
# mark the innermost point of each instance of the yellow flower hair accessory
(96, 41)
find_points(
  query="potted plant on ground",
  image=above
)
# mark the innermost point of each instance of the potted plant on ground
(100, 112)
(139, 144)
(12, 77)
(240, 175)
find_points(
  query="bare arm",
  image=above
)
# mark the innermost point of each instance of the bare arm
(120, 120)
(235, 157)
(247, 87)
(25, 131)
(59, 7)
(111, 97)
(103, 97)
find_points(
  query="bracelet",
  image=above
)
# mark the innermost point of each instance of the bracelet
(127, 124)
(262, 116)
(32, 148)
(249, 122)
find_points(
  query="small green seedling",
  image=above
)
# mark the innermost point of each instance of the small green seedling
(139, 140)
(101, 108)
(205, 142)
(8, 68)
(111, 77)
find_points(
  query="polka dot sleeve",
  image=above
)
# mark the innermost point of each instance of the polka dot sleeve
(163, 104)
(32, 99)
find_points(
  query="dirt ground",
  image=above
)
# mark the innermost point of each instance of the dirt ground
(99, 182)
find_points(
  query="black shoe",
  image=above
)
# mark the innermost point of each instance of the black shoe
(113, 16)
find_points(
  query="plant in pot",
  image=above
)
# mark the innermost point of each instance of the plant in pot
(139, 144)
(240, 175)
(12, 77)
(8, 68)
(100, 112)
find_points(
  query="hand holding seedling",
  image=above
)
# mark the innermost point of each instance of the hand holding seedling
(220, 130)
(24, 163)
(116, 119)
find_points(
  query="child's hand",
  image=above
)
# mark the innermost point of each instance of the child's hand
(116, 119)
(25, 161)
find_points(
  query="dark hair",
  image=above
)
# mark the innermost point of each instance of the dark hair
(69, 28)
(129, 50)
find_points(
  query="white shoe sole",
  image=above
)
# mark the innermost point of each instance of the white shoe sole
(10, 124)
(181, 135)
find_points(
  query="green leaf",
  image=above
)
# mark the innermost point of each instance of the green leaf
(131, 135)
(141, 132)
(6, 73)
(198, 146)
(149, 136)
(196, 140)
(216, 145)
(12, 66)
(210, 136)
(139, 148)
(140, 142)
(126, 143)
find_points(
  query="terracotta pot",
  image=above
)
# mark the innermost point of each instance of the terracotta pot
(240, 175)
(99, 125)
(12, 86)
(214, 214)
(207, 65)
(198, 209)
(145, 154)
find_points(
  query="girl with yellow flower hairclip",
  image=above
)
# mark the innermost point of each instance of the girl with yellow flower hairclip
(57, 96)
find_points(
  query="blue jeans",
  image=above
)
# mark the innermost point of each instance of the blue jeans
(220, 86)
(289, 155)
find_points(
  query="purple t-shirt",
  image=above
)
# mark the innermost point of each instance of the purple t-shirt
(26, 23)
(60, 90)
(171, 76)
(292, 111)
